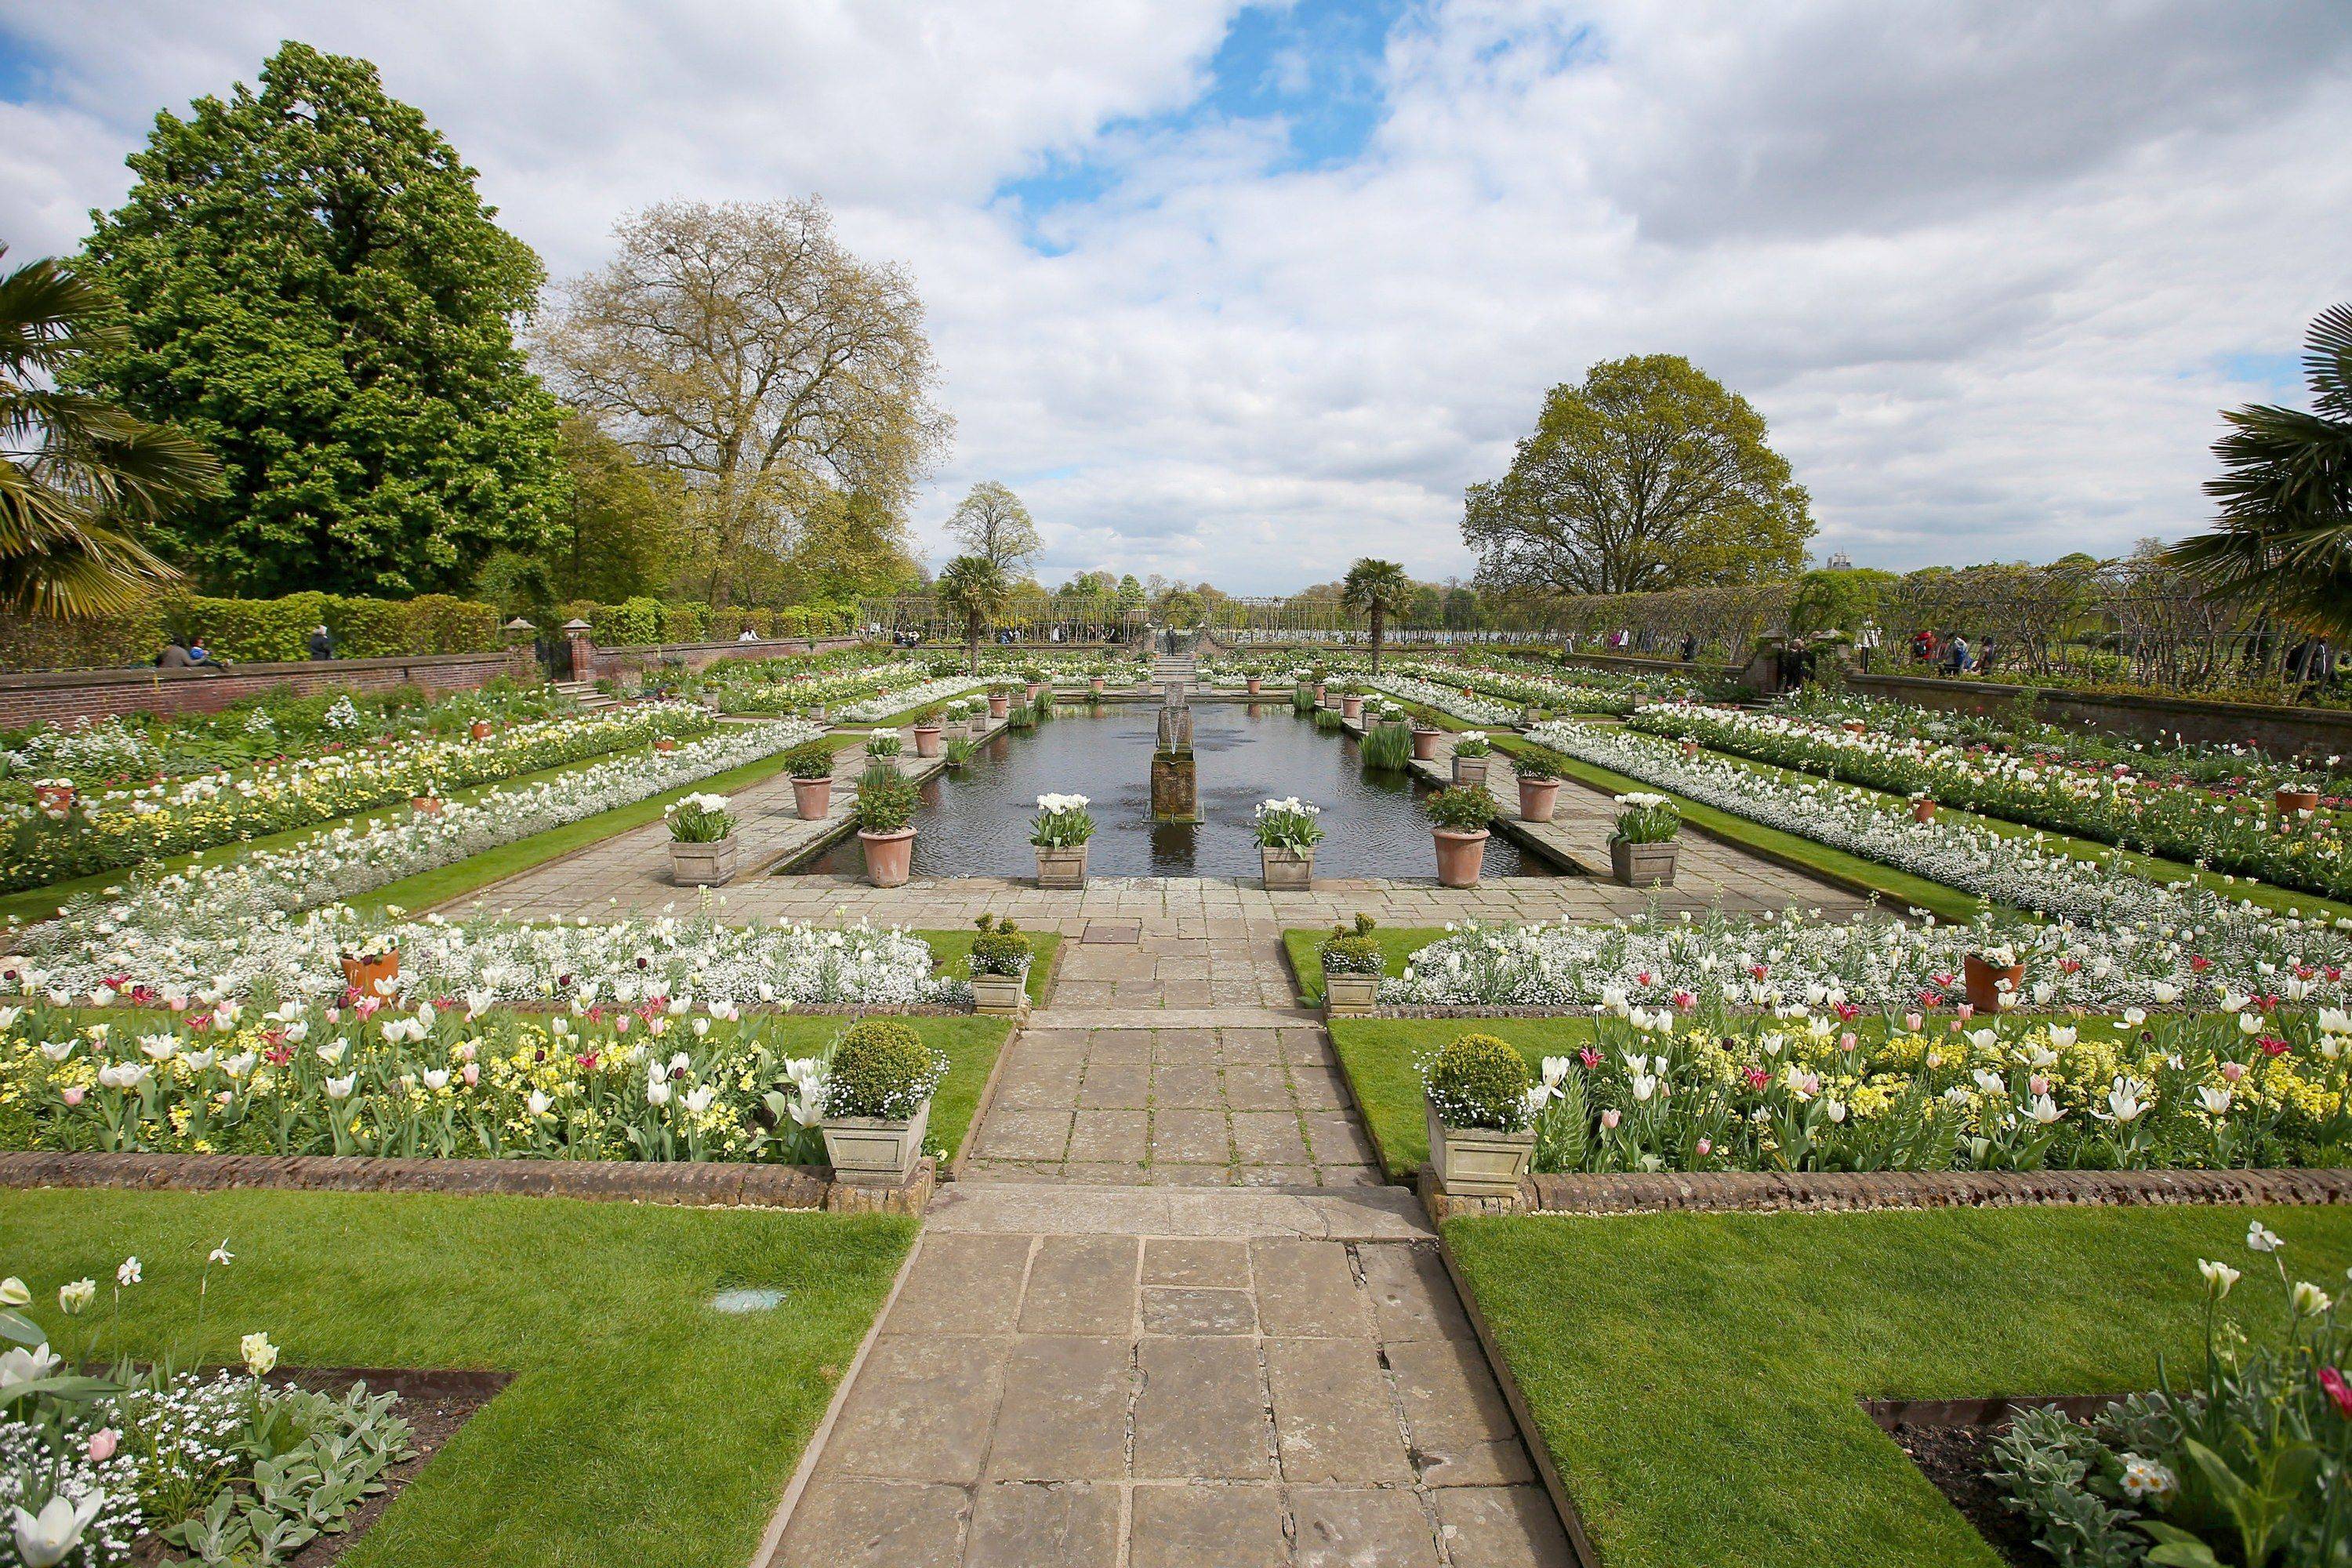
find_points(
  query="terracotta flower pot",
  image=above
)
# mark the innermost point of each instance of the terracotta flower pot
(813, 798)
(55, 798)
(1982, 982)
(426, 805)
(361, 973)
(2294, 805)
(927, 740)
(1538, 798)
(1853, 727)
(1352, 707)
(999, 703)
(1095, 685)
(1923, 810)
(1460, 856)
(479, 730)
(1255, 685)
(1320, 696)
(665, 746)
(1424, 744)
(1031, 695)
(888, 856)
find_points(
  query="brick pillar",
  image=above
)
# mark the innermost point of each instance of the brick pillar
(583, 649)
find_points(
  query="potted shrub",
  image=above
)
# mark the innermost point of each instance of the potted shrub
(999, 968)
(665, 744)
(1530, 715)
(428, 804)
(1642, 846)
(1458, 818)
(1060, 835)
(1252, 681)
(884, 810)
(884, 746)
(1538, 771)
(372, 965)
(1471, 749)
(1287, 835)
(1351, 968)
(809, 764)
(2294, 798)
(1993, 977)
(926, 733)
(1351, 704)
(1000, 700)
(1095, 684)
(54, 796)
(1033, 677)
(1425, 741)
(877, 1102)
(702, 847)
(1482, 1133)
(1923, 806)
(481, 730)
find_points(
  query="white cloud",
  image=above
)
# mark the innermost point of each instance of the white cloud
(1980, 266)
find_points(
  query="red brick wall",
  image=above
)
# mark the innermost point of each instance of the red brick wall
(63, 696)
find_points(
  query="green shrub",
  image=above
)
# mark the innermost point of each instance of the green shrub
(1001, 948)
(1388, 748)
(1541, 764)
(882, 1070)
(634, 623)
(810, 760)
(1352, 950)
(443, 623)
(363, 628)
(685, 623)
(885, 800)
(1478, 1080)
(1463, 808)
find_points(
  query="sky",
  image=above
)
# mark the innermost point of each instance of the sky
(1240, 292)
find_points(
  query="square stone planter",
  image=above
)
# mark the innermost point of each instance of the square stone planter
(1347, 995)
(703, 864)
(1470, 771)
(866, 1152)
(999, 996)
(1477, 1162)
(1642, 865)
(1287, 871)
(1062, 868)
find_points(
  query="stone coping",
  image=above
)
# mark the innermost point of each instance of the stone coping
(1843, 1192)
(707, 1184)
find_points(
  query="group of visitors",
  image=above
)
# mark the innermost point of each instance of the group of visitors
(192, 653)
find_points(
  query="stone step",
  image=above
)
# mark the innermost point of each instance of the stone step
(1358, 1213)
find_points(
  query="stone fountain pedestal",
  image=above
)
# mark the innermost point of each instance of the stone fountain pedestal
(1175, 788)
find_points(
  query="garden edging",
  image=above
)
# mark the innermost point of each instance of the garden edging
(699, 1183)
(1834, 1192)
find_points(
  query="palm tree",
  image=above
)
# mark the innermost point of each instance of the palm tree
(76, 471)
(1376, 589)
(2285, 532)
(974, 589)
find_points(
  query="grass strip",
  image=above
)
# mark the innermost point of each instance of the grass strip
(953, 950)
(1695, 1376)
(643, 1429)
(1305, 943)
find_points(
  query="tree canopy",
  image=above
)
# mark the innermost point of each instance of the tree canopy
(1377, 590)
(1649, 474)
(974, 590)
(743, 345)
(80, 478)
(2284, 536)
(991, 520)
(313, 288)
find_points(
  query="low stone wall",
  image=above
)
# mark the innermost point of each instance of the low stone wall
(2323, 732)
(707, 1184)
(1821, 1192)
(613, 663)
(64, 696)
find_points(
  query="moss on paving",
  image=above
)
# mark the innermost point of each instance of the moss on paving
(1697, 1376)
(642, 1429)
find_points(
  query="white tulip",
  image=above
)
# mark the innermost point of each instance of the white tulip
(48, 1538)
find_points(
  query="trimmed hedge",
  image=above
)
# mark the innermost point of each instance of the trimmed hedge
(252, 631)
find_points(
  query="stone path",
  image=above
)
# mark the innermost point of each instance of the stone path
(1169, 1318)
(1243, 1382)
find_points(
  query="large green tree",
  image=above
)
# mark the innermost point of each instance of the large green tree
(313, 287)
(850, 545)
(80, 478)
(616, 532)
(974, 590)
(1649, 474)
(2284, 538)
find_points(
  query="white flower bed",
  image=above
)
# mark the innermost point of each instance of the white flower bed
(1446, 700)
(898, 699)
(349, 861)
(2012, 869)
(1867, 961)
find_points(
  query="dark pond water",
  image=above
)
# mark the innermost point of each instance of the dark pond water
(975, 823)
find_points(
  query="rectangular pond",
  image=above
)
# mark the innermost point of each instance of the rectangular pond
(975, 822)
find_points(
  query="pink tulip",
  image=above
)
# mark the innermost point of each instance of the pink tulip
(102, 1443)
(73, 1093)
(1610, 1118)
(1912, 1021)
(472, 1074)
(1706, 1147)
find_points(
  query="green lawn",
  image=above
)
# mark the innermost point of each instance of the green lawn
(642, 1428)
(1695, 1376)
